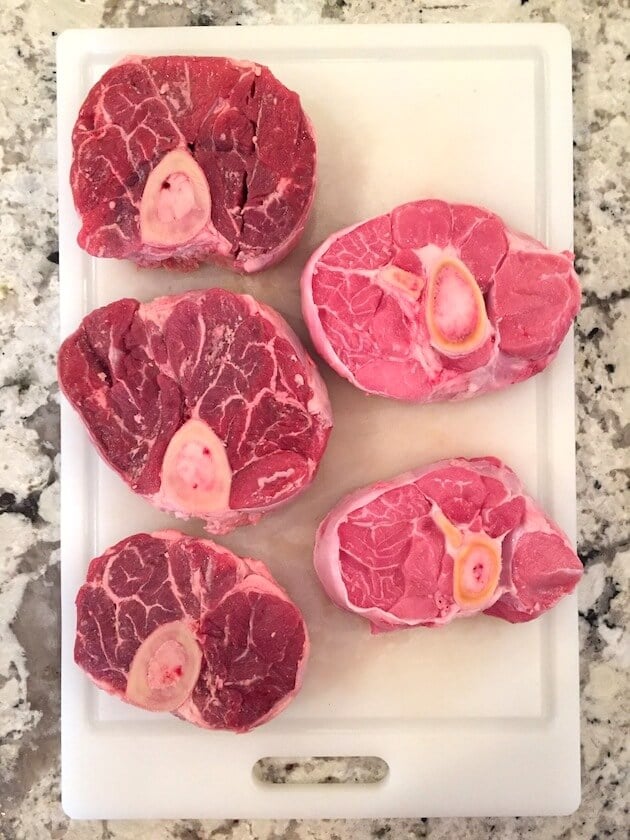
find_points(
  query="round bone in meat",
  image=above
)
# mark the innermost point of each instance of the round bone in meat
(437, 301)
(452, 539)
(205, 403)
(180, 160)
(164, 669)
(172, 623)
(175, 204)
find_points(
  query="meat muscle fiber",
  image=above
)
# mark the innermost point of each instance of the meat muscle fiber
(178, 160)
(437, 301)
(452, 539)
(205, 403)
(172, 623)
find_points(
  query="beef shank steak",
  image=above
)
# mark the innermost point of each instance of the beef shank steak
(205, 403)
(179, 160)
(175, 624)
(452, 539)
(437, 301)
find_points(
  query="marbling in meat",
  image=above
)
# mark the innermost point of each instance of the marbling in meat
(175, 624)
(205, 403)
(437, 301)
(183, 159)
(453, 539)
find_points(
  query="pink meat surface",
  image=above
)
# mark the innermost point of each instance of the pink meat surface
(205, 403)
(437, 301)
(252, 640)
(452, 539)
(243, 140)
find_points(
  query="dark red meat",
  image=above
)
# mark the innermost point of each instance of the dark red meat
(252, 639)
(245, 130)
(205, 403)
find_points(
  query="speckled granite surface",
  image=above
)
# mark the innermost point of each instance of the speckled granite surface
(29, 615)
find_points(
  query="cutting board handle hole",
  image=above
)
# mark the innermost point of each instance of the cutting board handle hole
(321, 770)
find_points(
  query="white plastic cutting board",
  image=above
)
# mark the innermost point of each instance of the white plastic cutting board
(478, 718)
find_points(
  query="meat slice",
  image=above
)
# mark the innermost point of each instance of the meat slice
(205, 403)
(179, 160)
(449, 540)
(437, 301)
(171, 623)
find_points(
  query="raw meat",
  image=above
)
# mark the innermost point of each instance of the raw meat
(180, 160)
(437, 301)
(452, 539)
(205, 403)
(172, 623)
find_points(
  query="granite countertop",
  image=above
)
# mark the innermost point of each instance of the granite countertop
(29, 410)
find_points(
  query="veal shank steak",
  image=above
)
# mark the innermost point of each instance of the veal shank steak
(205, 403)
(176, 624)
(179, 160)
(437, 301)
(448, 540)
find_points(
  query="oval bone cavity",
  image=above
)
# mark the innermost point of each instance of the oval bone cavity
(165, 669)
(477, 563)
(456, 311)
(196, 473)
(476, 572)
(175, 203)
